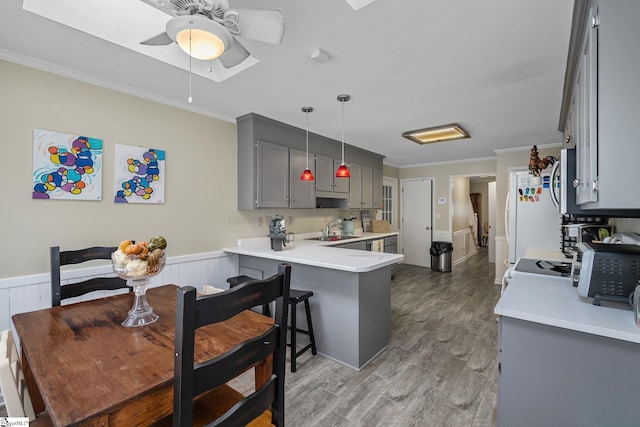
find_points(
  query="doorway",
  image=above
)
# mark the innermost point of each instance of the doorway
(483, 184)
(416, 224)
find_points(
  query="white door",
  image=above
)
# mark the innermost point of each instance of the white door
(492, 221)
(416, 221)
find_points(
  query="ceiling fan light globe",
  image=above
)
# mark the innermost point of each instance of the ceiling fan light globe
(204, 45)
(209, 39)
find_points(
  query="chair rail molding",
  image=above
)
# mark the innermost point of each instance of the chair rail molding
(33, 292)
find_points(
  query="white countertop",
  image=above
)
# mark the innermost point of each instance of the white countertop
(554, 301)
(320, 253)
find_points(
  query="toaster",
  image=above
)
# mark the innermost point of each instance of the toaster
(607, 272)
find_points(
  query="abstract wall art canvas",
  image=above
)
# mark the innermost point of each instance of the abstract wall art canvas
(66, 166)
(139, 174)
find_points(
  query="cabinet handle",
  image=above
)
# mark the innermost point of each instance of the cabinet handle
(293, 199)
(594, 185)
(567, 139)
(576, 183)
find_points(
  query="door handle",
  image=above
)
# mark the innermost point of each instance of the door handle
(428, 228)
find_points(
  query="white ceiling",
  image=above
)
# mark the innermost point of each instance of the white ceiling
(494, 66)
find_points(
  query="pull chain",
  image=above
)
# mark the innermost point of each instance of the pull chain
(190, 99)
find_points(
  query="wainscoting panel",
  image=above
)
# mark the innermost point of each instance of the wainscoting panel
(463, 245)
(29, 293)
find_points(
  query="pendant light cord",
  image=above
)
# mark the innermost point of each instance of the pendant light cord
(307, 113)
(343, 131)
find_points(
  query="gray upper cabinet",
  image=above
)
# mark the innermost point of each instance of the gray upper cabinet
(377, 188)
(278, 171)
(355, 186)
(272, 156)
(302, 194)
(600, 103)
(272, 175)
(365, 189)
(326, 181)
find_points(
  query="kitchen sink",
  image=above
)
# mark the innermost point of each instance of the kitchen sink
(332, 238)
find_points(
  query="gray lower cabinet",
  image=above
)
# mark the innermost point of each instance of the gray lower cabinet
(551, 376)
(278, 171)
(360, 245)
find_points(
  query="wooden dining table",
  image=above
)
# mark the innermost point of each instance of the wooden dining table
(86, 369)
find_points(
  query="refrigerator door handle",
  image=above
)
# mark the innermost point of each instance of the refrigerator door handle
(552, 187)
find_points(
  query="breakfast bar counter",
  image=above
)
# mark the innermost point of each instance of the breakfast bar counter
(351, 303)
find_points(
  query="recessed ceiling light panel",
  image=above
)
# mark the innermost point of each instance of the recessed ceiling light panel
(437, 134)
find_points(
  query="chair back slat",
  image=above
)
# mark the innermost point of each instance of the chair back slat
(193, 312)
(222, 306)
(59, 258)
(249, 408)
(232, 363)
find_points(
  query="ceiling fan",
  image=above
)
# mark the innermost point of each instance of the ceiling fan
(207, 29)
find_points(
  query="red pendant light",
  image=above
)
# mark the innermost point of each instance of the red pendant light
(307, 175)
(343, 170)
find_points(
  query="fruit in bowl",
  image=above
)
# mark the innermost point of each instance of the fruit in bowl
(139, 259)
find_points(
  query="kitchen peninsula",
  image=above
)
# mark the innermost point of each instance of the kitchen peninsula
(351, 303)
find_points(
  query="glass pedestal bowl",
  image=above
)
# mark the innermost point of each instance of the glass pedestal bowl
(138, 272)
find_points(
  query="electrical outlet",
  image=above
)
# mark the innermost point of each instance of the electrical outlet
(289, 220)
(260, 221)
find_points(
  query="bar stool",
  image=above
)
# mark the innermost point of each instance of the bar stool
(295, 297)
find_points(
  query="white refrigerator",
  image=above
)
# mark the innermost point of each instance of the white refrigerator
(533, 220)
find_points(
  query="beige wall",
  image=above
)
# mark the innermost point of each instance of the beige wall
(441, 172)
(200, 212)
(462, 209)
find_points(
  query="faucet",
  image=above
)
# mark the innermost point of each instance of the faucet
(330, 226)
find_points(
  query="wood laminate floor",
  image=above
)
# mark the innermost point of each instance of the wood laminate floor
(440, 368)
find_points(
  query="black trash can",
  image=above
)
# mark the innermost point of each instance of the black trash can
(441, 256)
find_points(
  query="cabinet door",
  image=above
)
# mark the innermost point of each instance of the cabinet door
(324, 173)
(341, 185)
(302, 194)
(272, 175)
(586, 183)
(377, 188)
(367, 187)
(355, 186)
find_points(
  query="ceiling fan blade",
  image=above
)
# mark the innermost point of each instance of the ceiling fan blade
(265, 25)
(234, 55)
(161, 39)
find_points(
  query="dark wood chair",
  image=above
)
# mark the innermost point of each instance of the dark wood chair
(61, 292)
(218, 402)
